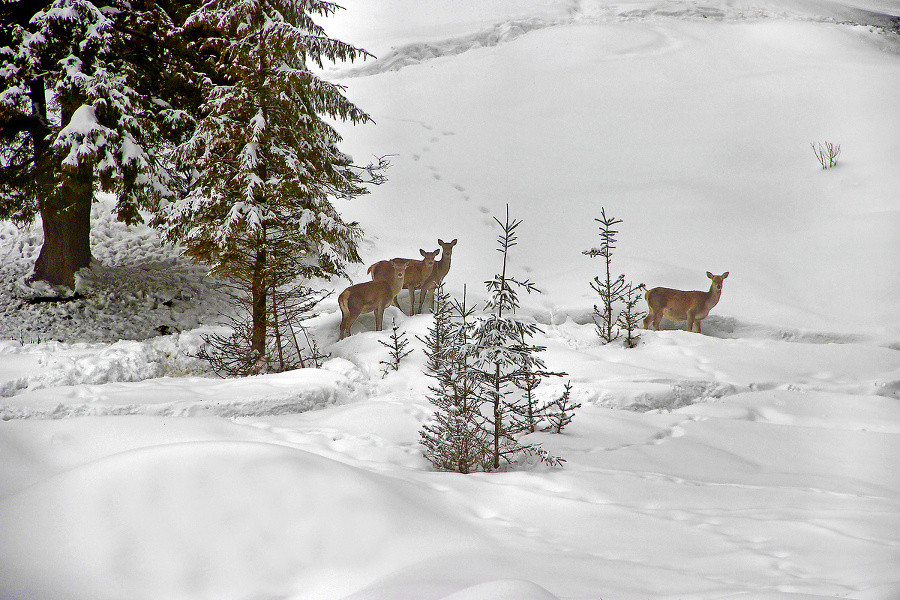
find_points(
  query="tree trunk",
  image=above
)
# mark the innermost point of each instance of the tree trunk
(67, 238)
(65, 212)
(258, 289)
(498, 419)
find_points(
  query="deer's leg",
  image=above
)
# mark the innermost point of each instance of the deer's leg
(648, 319)
(346, 323)
(412, 300)
(424, 292)
(379, 317)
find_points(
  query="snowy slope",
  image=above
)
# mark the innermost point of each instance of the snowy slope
(695, 133)
(756, 462)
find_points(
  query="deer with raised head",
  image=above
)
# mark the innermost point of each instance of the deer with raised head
(371, 296)
(416, 274)
(441, 268)
(677, 305)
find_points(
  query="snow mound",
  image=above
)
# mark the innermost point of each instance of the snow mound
(507, 589)
(273, 394)
(216, 520)
(811, 410)
(31, 367)
(418, 52)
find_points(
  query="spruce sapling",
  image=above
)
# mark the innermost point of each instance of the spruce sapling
(397, 347)
(631, 318)
(457, 439)
(528, 412)
(500, 352)
(561, 411)
(609, 289)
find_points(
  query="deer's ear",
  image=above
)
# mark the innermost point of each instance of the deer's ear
(422, 252)
(725, 274)
(708, 274)
(453, 243)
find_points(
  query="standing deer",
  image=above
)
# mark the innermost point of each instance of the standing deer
(371, 296)
(441, 268)
(677, 305)
(416, 274)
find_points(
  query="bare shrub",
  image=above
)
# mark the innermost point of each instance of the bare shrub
(827, 153)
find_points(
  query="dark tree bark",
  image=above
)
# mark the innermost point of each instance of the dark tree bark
(258, 289)
(66, 219)
(66, 245)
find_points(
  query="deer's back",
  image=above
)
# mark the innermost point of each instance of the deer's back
(661, 297)
(367, 296)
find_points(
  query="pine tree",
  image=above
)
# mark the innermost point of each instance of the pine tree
(500, 353)
(631, 317)
(76, 116)
(609, 289)
(396, 347)
(457, 439)
(264, 157)
(561, 411)
(527, 412)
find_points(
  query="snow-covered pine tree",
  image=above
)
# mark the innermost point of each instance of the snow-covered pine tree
(631, 317)
(396, 349)
(561, 411)
(457, 439)
(500, 352)
(75, 118)
(264, 157)
(527, 413)
(609, 289)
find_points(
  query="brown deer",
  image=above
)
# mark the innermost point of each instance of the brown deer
(677, 305)
(441, 268)
(417, 272)
(370, 296)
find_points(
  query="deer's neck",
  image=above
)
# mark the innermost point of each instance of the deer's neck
(443, 266)
(713, 295)
(397, 285)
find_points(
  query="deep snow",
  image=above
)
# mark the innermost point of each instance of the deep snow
(759, 461)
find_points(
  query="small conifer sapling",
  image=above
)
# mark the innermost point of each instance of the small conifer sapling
(501, 351)
(561, 411)
(610, 289)
(397, 348)
(631, 317)
(457, 439)
(529, 411)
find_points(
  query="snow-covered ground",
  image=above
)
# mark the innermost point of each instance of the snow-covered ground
(758, 461)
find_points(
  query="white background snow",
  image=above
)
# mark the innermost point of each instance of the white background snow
(758, 461)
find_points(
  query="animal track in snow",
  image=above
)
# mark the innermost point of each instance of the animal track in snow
(434, 169)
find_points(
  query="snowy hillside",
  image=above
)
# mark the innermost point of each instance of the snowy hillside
(757, 461)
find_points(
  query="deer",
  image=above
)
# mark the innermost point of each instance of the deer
(371, 296)
(416, 274)
(441, 268)
(677, 305)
